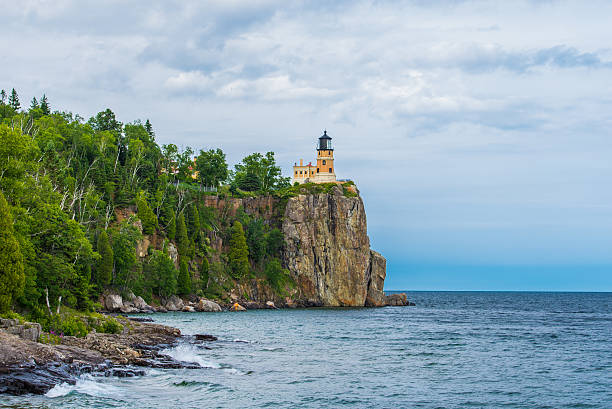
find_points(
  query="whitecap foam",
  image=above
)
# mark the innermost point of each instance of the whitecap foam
(244, 341)
(85, 385)
(190, 353)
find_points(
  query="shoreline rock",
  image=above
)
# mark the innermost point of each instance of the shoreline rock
(28, 366)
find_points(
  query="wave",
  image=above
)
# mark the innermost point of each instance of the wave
(85, 385)
(190, 353)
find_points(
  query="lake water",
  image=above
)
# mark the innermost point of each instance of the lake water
(453, 350)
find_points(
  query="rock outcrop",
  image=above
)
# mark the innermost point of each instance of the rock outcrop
(377, 272)
(327, 251)
(207, 306)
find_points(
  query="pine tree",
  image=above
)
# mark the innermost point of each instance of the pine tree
(44, 105)
(12, 278)
(194, 222)
(239, 252)
(2, 97)
(204, 273)
(171, 227)
(184, 279)
(14, 100)
(33, 104)
(104, 269)
(146, 215)
(182, 240)
(149, 129)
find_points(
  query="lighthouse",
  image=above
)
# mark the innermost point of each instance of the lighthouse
(324, 171)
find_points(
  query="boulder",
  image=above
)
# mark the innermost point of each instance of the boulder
(29, 331)
(205, 337)
(188, 308)
(397, 300)
(113, 302)
(141, 304)
(128, 309)
(205, 305)
(237, 307)
(174, 303)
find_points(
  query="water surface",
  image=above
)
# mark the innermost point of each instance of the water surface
(453, 350)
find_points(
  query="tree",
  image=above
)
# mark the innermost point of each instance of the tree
(3, 97)
(212, 167)
(146, 215)
(12, 278)
(184, 279)
(277, 276)
(262, 167)
(163, 274)
(256, 240)
(34, 104)
(124, 241)
(104, 268)
(182, 240)
(248, 181)
(149, 129)
(238, 256)
(194, 222)
(171, 225)
(13, 100)
(204, 268)
(44, 105)
(274, 242)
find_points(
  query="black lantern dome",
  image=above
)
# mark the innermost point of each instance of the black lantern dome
(325, 142)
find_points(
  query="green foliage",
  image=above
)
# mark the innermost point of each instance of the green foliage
(184, 279)
(146, 215)
(274, 242)
(162, 274)
(13, 100)
(69, 183)
(104, 267)
(212, 168)
(124, 239)
(12, 278)
(70, 325)
(238, 256)
(44, 105)
(109, 325)
(194, 222)
(182, 240)
(256, 239)
(204, 269)
(277, 276)
(259, 172)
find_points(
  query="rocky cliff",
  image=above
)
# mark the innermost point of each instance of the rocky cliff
(327, 251)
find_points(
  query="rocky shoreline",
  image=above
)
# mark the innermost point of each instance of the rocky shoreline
(114, 303)
(29, 366)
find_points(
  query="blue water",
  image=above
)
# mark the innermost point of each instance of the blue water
(453, 350)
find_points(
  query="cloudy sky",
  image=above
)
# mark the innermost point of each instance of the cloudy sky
(479, 133)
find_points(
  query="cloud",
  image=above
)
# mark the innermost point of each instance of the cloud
(455, 114)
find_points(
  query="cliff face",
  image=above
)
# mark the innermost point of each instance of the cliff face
(327, 251)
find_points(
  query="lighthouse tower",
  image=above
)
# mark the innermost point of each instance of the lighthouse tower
(325, 160)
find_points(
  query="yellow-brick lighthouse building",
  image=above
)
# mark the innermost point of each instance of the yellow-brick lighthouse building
(324, 171)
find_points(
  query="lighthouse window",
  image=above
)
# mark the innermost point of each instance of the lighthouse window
(324, 161)
(330, 170)
(317, 170)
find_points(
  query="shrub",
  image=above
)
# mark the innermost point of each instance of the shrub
(110, 326)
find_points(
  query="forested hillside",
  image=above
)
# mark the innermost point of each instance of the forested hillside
(79, 196)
